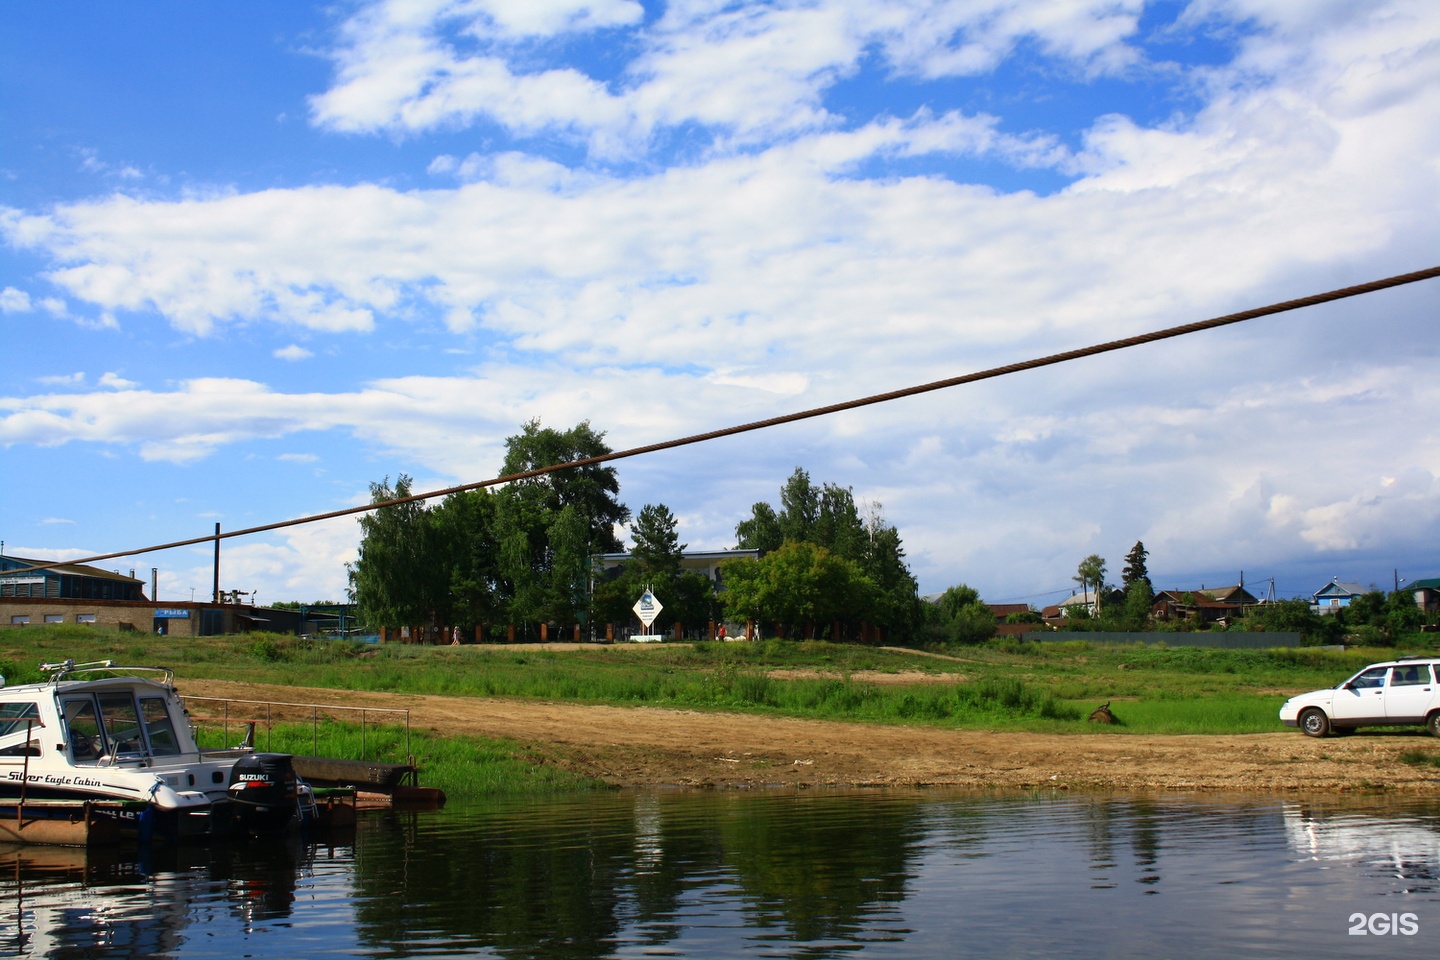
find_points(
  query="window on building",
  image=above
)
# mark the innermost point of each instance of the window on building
(54, 618)
(19, 619)
(84, 618)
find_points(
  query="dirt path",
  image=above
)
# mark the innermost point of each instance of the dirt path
(647, 746)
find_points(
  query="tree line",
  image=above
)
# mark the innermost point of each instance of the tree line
(521, 558)
(1374, 618)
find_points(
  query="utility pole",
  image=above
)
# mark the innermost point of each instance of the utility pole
(216, 592)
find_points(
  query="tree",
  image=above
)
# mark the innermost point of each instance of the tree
(394, 579)
(655, 562)
(761, 531)
(1366, 610)
(1402, 615)
(1139, 598)
(1091, 573)
(593, 490)
(799, 508)
(566, 589)
(1134, 570)
(466, 547)
(657, 551)
(957, 598)
(898, 605)
(1381, 619)
(799, 585)
(828, 517)
(1296, 616)
(962, 618)
(549, 525)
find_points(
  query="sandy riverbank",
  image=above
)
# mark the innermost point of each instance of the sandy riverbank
(647, 746)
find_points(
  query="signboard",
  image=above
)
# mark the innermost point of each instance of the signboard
(647, 608)
(19, 578)
(172, 614)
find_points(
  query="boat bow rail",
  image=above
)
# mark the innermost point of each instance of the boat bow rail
(69, 668)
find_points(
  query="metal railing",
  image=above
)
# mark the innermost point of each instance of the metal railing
(279, 712)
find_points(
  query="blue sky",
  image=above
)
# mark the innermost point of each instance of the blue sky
(254, 257)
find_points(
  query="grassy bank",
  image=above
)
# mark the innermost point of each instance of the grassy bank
(462, 766)
(1009, 686)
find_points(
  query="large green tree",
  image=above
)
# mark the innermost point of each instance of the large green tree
(799, 588)
(1135, 568)
(897, 604)
(1134, 613)
(521, 554)
(394, 579)
(466, 559)
(827, 516)
(549, 525)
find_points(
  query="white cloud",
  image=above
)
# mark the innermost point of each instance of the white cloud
(774, 270)
(90, 162)
(395, 70)
(293, 352)
(305, 563)
(14, 301)
(744, 70)
(113, 381)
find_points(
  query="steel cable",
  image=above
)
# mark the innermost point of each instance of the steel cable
(992, 373)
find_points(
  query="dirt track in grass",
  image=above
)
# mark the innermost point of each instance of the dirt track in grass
(649, 746)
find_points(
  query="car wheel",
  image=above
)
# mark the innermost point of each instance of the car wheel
(1433, 724)
(1314, 723)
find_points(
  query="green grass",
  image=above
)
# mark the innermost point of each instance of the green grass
(462, 766)
(1208, 715)
(1006, 684)
(1421, 758)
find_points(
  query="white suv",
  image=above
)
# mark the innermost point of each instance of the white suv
(1403, 691)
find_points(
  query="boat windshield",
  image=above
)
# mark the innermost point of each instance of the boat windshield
(122, 722)
(86, 742)
(113, 724)
(158, 727)
(13, 716)
(14, 719)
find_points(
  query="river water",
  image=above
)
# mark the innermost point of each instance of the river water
(809, 874)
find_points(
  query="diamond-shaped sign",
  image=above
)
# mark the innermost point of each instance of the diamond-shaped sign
(647, 608)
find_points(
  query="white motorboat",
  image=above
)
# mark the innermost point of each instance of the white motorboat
(121, 736)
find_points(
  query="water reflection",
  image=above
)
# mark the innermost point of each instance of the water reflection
(807, 874)
(70, 902)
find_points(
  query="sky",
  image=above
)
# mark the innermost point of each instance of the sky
(255, 257)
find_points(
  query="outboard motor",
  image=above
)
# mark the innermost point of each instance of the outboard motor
(263, 791)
